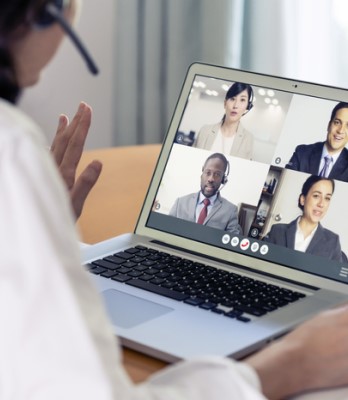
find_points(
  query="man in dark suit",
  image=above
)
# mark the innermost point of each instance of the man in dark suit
(329, 158)
(207, 207)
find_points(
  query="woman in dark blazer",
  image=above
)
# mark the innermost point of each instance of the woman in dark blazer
(306, 233)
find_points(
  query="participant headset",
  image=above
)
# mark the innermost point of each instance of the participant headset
(52, 12)
(251, 100)
(224, 179)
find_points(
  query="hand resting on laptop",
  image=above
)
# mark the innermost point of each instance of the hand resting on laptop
(313, 356)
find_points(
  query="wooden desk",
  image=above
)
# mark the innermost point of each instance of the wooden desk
(112, 208)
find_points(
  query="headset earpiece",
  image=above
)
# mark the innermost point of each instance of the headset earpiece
(224, 179)
(251, 99)
(45, 17)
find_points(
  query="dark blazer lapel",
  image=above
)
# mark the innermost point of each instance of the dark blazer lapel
(290, 234)
(340, 168)
(315, 240)
(314, 158)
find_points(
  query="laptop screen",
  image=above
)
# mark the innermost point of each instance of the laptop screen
(260, 171)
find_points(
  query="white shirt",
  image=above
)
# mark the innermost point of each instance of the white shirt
(55, 339)
(302, 243)
(222, 144)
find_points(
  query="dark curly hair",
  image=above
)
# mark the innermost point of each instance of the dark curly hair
(16, 17)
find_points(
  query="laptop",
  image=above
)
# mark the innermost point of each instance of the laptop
(175, 288)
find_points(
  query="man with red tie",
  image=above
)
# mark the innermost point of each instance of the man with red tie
(207, 207)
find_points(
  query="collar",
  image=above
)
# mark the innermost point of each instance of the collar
(326, 153)
(212, 199)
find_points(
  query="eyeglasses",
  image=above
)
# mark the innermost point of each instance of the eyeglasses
(215, 174)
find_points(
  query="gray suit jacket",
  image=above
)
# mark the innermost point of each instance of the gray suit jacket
(242, 144)
(324, 243)
(223, 215)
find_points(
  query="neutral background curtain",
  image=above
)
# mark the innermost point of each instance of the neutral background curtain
(157, 41)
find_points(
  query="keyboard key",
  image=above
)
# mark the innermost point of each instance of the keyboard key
(251, 310)
(106, 264)
(194, 301)
(134, 274)
(108, 273)
(132, 250)
(124, 254)
(146, 277)
(124, 270)
(243, 319)
(207, 305)
(115, 260)
(98, 270)
(121, 278)
(217, 310)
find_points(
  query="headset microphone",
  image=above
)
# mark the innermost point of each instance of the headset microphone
(55, 14)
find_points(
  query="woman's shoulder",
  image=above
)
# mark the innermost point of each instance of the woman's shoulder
(328, 233)
(279, 227)
(211, 127)
(16, 125)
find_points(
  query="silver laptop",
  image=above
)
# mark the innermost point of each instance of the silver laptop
(178, 288)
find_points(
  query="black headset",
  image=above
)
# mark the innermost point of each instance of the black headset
(251, 100)
(224, 179)
(52, 12)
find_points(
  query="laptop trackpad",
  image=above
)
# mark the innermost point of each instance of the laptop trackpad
(126, 310)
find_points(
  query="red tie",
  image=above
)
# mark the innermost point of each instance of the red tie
(204, 212)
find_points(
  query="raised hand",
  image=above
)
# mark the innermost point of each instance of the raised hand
(67, 148)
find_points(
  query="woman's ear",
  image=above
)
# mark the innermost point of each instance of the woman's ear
(302, 200)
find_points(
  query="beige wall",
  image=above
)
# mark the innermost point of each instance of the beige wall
(66, 80)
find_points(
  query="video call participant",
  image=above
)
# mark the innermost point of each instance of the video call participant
(306, 233)
(207, 207)
(229, 136)
(329, 158)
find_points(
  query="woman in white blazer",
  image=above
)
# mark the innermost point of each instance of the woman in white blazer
(229, 136)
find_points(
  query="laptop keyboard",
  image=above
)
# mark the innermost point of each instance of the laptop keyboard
(196, 284)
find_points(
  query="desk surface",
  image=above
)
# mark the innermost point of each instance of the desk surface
(112, 208)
